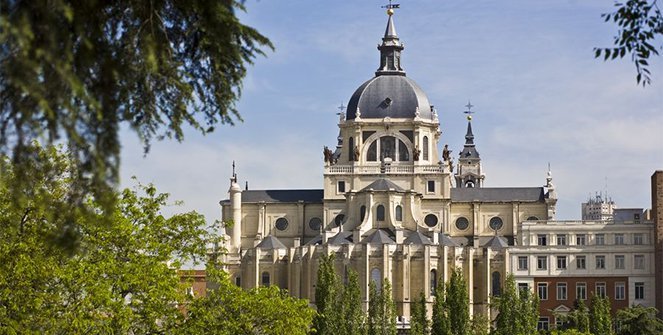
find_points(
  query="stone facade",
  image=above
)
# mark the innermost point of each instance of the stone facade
(393, 207)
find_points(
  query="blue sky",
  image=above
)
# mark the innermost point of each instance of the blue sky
(540, 97)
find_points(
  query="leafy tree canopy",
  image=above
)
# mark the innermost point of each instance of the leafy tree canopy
(639, 35)
(75, 72)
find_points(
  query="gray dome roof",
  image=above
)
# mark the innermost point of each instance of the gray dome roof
(395, 96)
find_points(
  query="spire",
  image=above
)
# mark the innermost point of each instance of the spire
(390, 49)
(469, 137)
(469, 172)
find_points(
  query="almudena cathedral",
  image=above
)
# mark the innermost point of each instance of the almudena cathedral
(393, 207)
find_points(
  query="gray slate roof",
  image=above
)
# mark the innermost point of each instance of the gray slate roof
(445, 240)
(269, 243)
(417, 238)
(283, 196)
(496, 242)
(379, 236)
(405, 96)
(383, 185)
(344, 237)
(498, 194)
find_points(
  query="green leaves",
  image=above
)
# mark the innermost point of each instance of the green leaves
(76, 72)
(640, 26)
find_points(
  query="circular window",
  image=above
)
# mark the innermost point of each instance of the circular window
(281, 223)
(430, 220)
(532, 218)
(495, 223)
(339, 219)
(462, 223)
(315, 223)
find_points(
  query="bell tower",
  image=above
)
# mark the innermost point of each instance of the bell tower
(469, 173)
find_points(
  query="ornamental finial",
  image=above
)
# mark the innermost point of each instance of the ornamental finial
(390, 7)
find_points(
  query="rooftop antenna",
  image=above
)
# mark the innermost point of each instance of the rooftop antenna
(469, 111)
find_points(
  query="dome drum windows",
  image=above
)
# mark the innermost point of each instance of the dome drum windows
(379, 213)
(388, 147)
(399, 213)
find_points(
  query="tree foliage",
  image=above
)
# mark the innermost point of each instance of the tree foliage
(518, 310)
(638, 320)
(125, 278)
(457, 303)
(479, 325)
(600, 317)
(440, 322)
(640, 28)
(339, 306)
(229, 310)
(419, 323)
(76, 72)
(381, 310)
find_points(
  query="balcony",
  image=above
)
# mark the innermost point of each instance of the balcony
(387, 169)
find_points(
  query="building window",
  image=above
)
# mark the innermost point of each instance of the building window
(281, 224)
(561, 239)
(561, 262)
(430, 220)
(495, 223)
(362, 213)
(561, 291)
(639, 262)
(541, 262)
(379, 213)
(619, 239)
(581, 291)
(376, 277)
(522, 263)
(638, 239)
(619, 262)
(388, 147)
(372, 154)
(639, 291)
(541, 239)
(600, 262)
(543, 323)
(636, 218)
(497, 283)
(425, 148)
(581, 262)
(542, 290)
(430, 186)
(338, 220)
(523, 288)
(351, 149)
(532, 218)
(620, 291)
(462, 223)
(399, 213)
(599, 239)
(238, 281)
(433, 281)
(265, 279)
(341, 186)
(581, 239)
(600, 290)
(315, 224)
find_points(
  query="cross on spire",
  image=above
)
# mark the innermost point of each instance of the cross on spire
(341, 107)
(469, 111)
(390, 7)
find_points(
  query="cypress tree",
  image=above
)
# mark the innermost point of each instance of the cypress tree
(457, 303)
(419, 325)
(600, 319)
(440, 322)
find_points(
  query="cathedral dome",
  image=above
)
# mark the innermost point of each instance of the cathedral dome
(395, 96)
(390, 93)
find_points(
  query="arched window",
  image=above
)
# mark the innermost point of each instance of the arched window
(379, 213)
(372, 154)
(497, 285)
(399, 213)
(362, 213)
(265, 278)
(387, 147)
(433, 281)
(351, 149)
(376, 278)
(403, 153)
(238, 281)
(425, 148)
